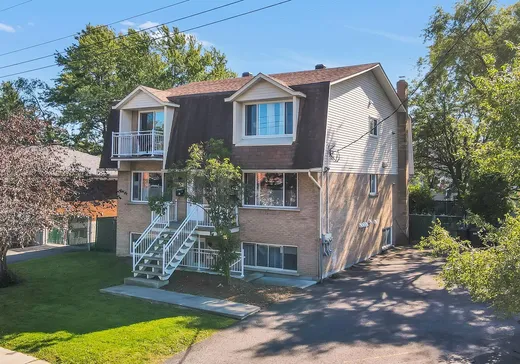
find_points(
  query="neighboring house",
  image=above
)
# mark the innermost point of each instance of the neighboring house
(317, 208)
(100, 200)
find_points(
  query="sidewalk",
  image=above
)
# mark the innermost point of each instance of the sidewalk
(215, 306)
(12, 357)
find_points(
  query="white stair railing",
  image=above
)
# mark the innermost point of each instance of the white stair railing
(183, 233)
(157, 227)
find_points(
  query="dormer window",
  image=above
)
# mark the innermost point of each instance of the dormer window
(271, 119)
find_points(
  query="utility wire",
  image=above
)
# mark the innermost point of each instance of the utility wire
(14, 6)
(444, 57)
(164, 36)
(106, 25)
(126, 35)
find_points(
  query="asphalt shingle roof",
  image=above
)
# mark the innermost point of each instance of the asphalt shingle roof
(289, 79)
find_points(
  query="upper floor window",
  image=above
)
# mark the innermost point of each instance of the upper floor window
(271, 189)
(146, 185)
(374, 127)
(151, 120)
(275, 118)
(373, 184)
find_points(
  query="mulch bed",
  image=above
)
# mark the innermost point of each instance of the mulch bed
(212, 285)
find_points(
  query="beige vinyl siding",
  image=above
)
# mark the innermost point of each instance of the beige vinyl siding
(352, 103)
(141, 101)
(263, 90)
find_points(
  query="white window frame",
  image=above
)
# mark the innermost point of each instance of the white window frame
(391, 244)
(372, 192)
(267, 268)
(130, 240)
(132, 185)
(371, 121)
(257, 136)
(154, 119)
(283, 190)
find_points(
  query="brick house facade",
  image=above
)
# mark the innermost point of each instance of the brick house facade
(347, 203)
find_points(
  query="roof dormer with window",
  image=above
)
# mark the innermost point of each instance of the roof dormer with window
(265, 112)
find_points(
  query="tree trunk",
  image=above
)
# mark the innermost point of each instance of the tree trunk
(4, 275)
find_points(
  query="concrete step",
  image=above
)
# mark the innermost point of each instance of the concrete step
(148, 273)
(143, 282)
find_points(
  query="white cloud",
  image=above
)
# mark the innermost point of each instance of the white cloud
(6, 28)
(388, 35)
(127, 23)
(148, 24)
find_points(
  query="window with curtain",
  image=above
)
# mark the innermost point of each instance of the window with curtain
(269, 119)
(146, 185)
(271, 189)
(271, 256)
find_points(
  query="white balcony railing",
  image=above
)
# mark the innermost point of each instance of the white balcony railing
(205, 259)
(148, 143)
(201, 214)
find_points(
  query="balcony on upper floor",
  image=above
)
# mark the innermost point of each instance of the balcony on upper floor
(148, 144)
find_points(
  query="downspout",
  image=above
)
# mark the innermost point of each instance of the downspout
(320, 262)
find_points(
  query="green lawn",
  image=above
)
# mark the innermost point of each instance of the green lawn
(58, 314)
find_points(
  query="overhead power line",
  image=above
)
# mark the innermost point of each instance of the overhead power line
(441, 61)
(16, 5)
(126, 35)
(106, 25)
(182, 31)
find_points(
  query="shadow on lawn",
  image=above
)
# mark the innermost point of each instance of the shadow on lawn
(392, 301)
(60, 300)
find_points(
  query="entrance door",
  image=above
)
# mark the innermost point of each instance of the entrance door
(195, 189)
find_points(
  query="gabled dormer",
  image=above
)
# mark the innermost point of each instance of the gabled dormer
(265, 112)
(144, 125)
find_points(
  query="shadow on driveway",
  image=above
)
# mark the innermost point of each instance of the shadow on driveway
(388, 310)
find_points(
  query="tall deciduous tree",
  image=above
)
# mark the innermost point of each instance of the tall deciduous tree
(452, 132)
(103, 67)
(37, 189)
(218, 184)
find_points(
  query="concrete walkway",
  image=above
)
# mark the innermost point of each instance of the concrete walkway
(40, 251)
(234, 310)
(12, 357)
(389, 310)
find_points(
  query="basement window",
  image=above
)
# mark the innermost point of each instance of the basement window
(271, 256)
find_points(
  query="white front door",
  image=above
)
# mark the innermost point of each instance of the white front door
(198, 212)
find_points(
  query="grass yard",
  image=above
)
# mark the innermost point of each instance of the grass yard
(58, 314)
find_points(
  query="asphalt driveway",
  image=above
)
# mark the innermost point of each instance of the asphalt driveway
(40, 251)
(389, 310)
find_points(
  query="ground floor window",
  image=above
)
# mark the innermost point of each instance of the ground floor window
(271, 256)
(387, 237)
(146, 185)
(271, 189)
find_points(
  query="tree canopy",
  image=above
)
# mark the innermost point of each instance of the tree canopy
(102, 67)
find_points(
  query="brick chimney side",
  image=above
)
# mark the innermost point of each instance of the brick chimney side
(403, 165)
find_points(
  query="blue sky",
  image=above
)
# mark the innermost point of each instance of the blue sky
(294, 36)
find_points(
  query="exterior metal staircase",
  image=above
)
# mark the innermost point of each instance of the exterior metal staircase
(165, 248)
(165, 245)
